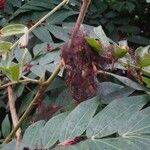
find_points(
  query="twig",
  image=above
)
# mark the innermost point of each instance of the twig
(38, 96)
(41, 20)
(80, 19)
(11, 102)
(18, 82)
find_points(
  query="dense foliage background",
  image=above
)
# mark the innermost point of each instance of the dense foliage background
(120, 20)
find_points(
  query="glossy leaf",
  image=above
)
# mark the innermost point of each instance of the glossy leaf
(13, 29)
(95, 45)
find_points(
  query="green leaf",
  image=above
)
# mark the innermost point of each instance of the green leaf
(119, 52)
(58, 32)
(31, 138)
(5, 47)
(9, 146)
(51, 130)
(43, 34)
(128, 82)
(23, 56)
(13, 72)
(95, 45)
(38, 70)
(113, 92)
(102, 36)
(146, 80)
(13, 29)
(26, 100)
(113, 117)
(6, 127)
(143, 56)
(40, 49)
(77, 121)
(146, 71)
(60, 16)
(18, 90)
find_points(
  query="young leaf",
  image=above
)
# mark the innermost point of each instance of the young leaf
(13, 29)
(143, 56)
(13, 72)
(119, 52)
(5, 48)
(95, 45)
(77, 121)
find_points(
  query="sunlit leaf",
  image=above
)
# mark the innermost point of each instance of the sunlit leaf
(13, 29)
(143, 56)
(94, 44)
(119, 52)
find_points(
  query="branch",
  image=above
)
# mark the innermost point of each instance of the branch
(38, 96)
(18, 82)
(41, 20)
(81, 16)
(11, 102)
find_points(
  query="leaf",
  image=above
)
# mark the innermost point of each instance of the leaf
(95, 45)
(43, 34)
(146, 71)
(128, 82)
(5, 47)
(143, 56)
(9, 146)
(40, 49)
(31, 138)
(23, 56)
(148, 1)
(38, 70)
(102, 36)
(6, 127)
(58, 32)
(113, 117)
(146, 80)
(60, 16)
(51, 130)
(50, 57)
(138, 39)
(119, 52)
(114, 91)
(13, 72)
(18, 90)
(13, 29)
(77, 121)
(26, 100)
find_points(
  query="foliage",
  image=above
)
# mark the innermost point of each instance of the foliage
(117, 117)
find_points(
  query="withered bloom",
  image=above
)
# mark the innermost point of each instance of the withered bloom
(79, 61)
